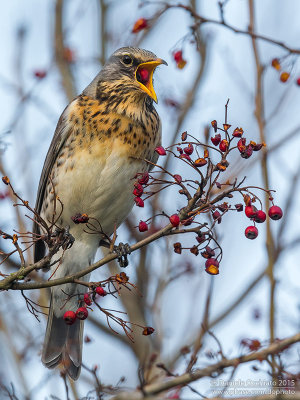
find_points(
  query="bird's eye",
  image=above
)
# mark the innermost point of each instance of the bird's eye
(127, 60)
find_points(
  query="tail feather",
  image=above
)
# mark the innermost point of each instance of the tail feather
(63, 345)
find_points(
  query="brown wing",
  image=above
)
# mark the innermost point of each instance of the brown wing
(61, 133)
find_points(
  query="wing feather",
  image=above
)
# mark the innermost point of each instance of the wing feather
(62, 132)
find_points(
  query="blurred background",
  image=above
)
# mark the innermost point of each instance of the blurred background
(50, 51)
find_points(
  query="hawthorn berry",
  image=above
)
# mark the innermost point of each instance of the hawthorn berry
(275, 212)
(217, 216)
(144, 178)
(40, 74)
(200, 162)
(200, 237)
(284, 76)
(175, 220)
(251, 232)
(177, 247)
(298, 81)
(87, 299)
(139, 202)
(100, 291)
(82, 313)
(178, 178)
(143, 226)
(80, 218)
(247, 152)
(260, 216)
(276, 64)
(148, 330)
(223, 145)
(216, 139)
(160, 151)
(238, 132)
(138, 189)
(250, 211)
(241, 145)
(69, 317)
(239, 207)
(212, 266)
(139, 25)
(189, 149)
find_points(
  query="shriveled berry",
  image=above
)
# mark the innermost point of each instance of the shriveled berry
(80, 218)
(184, 136)
(200, 162)
(148, 330)
(185, 156)
(177, 247)
(143, 226)
(238, 132)
(40, 74)
(69, 317)
(216, 139)
(160, 150)
(214, 124)
(239, 207)
(217, 216)
(247, 152)
(139, 202)
(223, 145)
(212, 266)
(189, 149)
(260, 216)
(241, 145)
(144, 178)
(82, 313)
(175, 220)
(200, 237)
(275, 212)
(100, 291)
(87, 299)
(251, 232)
(178, 178)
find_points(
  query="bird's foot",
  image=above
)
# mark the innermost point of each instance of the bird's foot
(122, 251)
(64, 237)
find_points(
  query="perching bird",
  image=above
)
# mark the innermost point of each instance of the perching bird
(101, 141)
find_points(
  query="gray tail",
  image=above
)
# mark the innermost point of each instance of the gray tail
(63, 344)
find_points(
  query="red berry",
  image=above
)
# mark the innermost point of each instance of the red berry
(178, 178)
(189, 150)
(212, 266)
(251, 232)
(175, 220)
(186, 156)
(138, 190)
(216, 139)
(40, 74)
(200, 162)
(100, 291)
(144, 178)
(241, 144)
(160, 150)
(140, 24)
(247, 152)
(298, 81)
(82, 313)
(177, 56)
(260, 216)
(87, 299)
(238, 132)
(223, 145)
(275, 212)
(217, 216)
(143, 226)
(250, 211)
(139, 202)
(69, 317)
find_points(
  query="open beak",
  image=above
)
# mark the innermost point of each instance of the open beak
(144, 76)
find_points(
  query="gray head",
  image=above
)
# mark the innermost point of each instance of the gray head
(130, 66)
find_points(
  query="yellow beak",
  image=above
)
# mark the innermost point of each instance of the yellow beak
(150, 67)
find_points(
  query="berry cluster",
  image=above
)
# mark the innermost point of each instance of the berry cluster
(206, 195)
(284, 75)
(178, 58)
(82, 312)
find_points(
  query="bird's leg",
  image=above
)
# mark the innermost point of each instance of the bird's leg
(122, 250)
(64, 237)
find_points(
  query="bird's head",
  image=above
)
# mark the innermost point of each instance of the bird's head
(131, 68)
